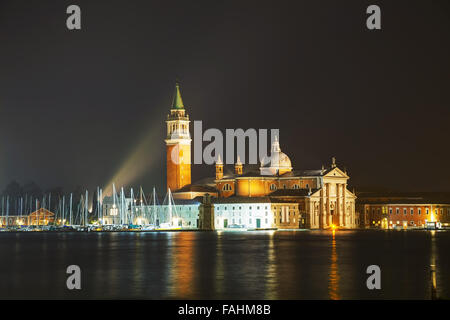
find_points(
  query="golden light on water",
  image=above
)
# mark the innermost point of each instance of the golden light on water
(333, 283)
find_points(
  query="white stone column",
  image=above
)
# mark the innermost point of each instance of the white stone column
(322, 208)
(344, 200)
(328, 215)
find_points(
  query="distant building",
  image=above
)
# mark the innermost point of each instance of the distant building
(388, 210)
(39, 217)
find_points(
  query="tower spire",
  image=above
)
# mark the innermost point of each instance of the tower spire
(178, 144)
(219, 168)
(177, 102)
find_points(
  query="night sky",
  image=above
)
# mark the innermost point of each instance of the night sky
(88, 107)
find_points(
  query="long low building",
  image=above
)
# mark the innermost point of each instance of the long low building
(402, 209)
(256, 213)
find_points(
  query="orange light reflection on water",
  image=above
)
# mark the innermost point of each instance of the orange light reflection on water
(333, 283)
(182, 265)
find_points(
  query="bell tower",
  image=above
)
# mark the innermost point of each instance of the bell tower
(178, 144)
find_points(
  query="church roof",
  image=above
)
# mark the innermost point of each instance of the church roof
(292, 192)
(403, 197)
(195, 201)
(208, 181)
(196, 188)
(177, 102)
(303, 173)
(295, 173)
(238, 199)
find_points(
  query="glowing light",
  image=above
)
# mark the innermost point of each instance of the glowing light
(433, 217)
(145, 154)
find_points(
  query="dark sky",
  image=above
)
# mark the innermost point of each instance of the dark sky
(88, 107)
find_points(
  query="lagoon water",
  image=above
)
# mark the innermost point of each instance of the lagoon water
(225, 265)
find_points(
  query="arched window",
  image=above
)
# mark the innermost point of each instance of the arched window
(273, 187)
(227, 187)
(296, 186)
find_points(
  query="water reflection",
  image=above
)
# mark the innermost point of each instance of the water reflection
(113, 268)
(433, 266)
(234, 265)
(219, 270)
(181, 265)
(333, 283)
(271, 269)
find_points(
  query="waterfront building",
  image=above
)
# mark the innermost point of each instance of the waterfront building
(256, 213)
(388, 210)
(39, 217)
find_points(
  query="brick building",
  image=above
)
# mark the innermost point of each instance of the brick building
(390, 210)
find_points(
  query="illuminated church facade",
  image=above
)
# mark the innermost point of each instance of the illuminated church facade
(275, 196)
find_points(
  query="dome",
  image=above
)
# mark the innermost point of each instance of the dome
(280, 160)
(277, 163)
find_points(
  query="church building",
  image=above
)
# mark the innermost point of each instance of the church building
(275, 196)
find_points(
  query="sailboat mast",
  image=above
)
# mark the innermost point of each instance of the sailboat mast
(70, 208)
(63, 210)
(7, 211)
(154, 207)
(132, 206)
(122, 206)
(141, 204)
(37, 214)
(98, 204)
(101, 204)
(114, 199)
(86, 222)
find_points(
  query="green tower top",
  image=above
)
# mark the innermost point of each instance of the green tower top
(177, 101)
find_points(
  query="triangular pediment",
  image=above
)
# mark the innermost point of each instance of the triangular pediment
(42, 212)
(316, 193)
(336, 173)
